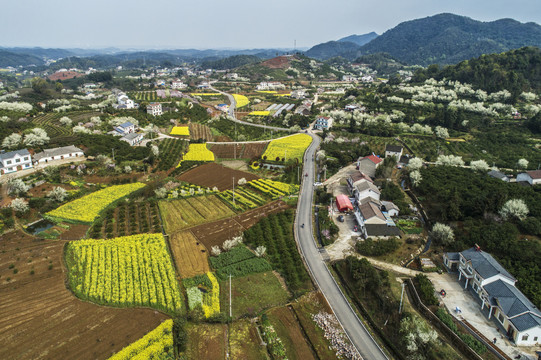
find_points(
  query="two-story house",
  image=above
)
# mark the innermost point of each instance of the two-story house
(393, 150)
(495, 289)
(154, 109)
(15, 161)
(369, 164)
(531, 177)
(365, 189)
(126, 128)
(323, 123)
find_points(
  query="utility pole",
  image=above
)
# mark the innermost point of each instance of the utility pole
(233, 191)
(113, 153)
(230, 298)
(285, 155)
(298, 176)
(401, 298)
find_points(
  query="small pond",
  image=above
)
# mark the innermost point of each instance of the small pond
(39, 226)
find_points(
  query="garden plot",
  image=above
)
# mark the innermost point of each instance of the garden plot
(239, 150)
(212, 174)
(244, 341)
(199, 131)
(206, 341)
(181, 214)
(41, 319)
(190, 256)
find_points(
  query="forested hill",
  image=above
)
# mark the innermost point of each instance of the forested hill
(449, 38)
(230, 62)
(517, 70)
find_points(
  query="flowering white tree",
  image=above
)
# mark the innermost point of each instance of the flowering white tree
(522, 163)
(215, 250)
(127, 169)
(230, 244)
(19, 205)
(58, 194)
(450, 160)
(415, 163)
(17, 187)
(260, 251)
(479, 165)
(417, 333)
(4, 119)
(66, 121)
(36, 137)
(242, 181)
(441, 132)
(15, 106)
(155, 150)
(123, 119)
(442, 234)
(79, 129)
(514, 208)
(161, 193)
(416, 177)
(12, 141)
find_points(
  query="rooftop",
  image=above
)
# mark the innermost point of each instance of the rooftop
(497, 174)
(485, 264)
(376, 160)
(364, 185)
(381, 230)
(393, 148)
(57, 151)
(370, 210)
(11, 154)
(535, 174)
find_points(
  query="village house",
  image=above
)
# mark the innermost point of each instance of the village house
(59, 153)
(298, 94)
(393, 150)
(222, 107)
(124, 102)
(232, 76)
(531, 177)
(494, 288)
(390, 208)
(178, 84)
(364, 189)
(271, 85)
(14, 161)
(323, 123)
(498, 175)
(154, 109)
(369, 164)
(349, 78)
(132, 138)
(126, 128)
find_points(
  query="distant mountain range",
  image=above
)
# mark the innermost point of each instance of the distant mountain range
(360, 40)
(438, 39)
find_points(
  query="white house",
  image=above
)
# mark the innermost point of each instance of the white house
(60, 153)
(271, 85)
(393, 150)
(532, 177)
(15, 161)
(349, 78)
(369, 164)
(298, 94)
(154, 109)
(372, 214)
(178, 84)
(232, 76)
(365, 189)
(367, 78)
(124, 101)
(496, 291)
(323, 123)
(126, 128)
(390, 208)
(132, 138)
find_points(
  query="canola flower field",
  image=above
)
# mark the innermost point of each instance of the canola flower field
(157, 344)
(198, 152)
(259, 113)
(291, 147)
(241, 100)
(204, 291)
(180, 131)
(126, 271)
(87, 208)
(275, 189)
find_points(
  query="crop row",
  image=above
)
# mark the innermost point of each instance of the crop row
(157, 344)
(170, 153)
(126, 271)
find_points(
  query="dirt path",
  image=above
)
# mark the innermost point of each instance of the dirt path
(341, 174)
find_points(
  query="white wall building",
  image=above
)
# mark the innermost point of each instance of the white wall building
(60, 153)
(154, 109)
(14, 161)
(323, 123)
(532, 177)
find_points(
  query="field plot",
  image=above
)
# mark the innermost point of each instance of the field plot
(289, 331)
(49, 123)
(127, 271)
(253, 294)
(87, 208)
(157, 344)
(237, 262)
(241, 100)
(171, 151)
(239, 150)
(198, 152)
(41, 319)
(180, 131)
(212, 174)
(144, 95)
(215, 233)
(203, 292)
(244, 342)
(199, 131)
(181, 214)
(290, 147)
(190, 256)
(206, 341)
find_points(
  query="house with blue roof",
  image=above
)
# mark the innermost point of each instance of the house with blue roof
(495, 288)
(126, 128)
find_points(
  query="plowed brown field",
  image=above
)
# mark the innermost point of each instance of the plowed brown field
(238, 150)
(41, 319)
(212, 174)
(189, 254)
(199, 131)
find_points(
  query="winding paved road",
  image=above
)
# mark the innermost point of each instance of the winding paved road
(354, 328)
(231, 113)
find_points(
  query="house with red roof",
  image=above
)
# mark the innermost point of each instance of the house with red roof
(532, 177)
(369, 164)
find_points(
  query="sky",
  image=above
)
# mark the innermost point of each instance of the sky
(236, 24)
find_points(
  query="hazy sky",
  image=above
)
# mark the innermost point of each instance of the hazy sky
(226, 23)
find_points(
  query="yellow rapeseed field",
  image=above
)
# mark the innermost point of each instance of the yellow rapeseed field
(198, 152)
(241, 100)
(291, 147)
(259, 113)
(180, 130)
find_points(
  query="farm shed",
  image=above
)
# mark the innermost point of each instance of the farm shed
(343, 203)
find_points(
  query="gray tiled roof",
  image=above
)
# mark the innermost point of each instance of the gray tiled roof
(381, 230)
(365, 185)
(130, 136)
(453, 256)
(11, 154)
(57, 151)
(370, 210)
(526, 321)
(497, 174)
(485, 264)
(393, 148)
(511, 300)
